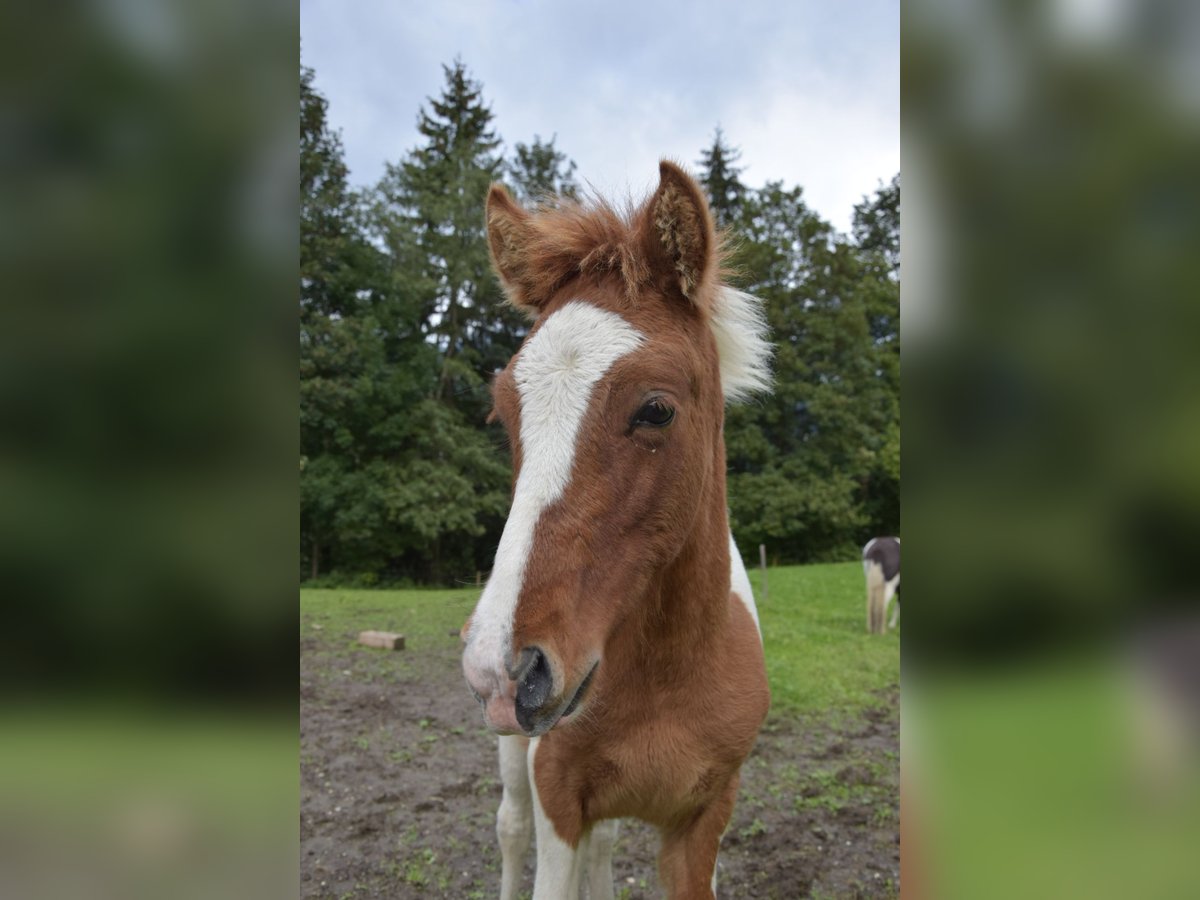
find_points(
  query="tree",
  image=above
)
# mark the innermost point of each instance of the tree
(393, 482)
(539, 172)
(801, 459)
(877, 224)
(429, 210)
(335, 262)
(328, 255)
(877, 238)
(719, 175)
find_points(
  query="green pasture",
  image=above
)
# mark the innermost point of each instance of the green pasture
(819, 657)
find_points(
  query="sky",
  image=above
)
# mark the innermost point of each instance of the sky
(808, 90)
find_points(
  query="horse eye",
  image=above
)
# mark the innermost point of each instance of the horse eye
(655, 413)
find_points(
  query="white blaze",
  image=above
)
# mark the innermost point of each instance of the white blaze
(555, 376)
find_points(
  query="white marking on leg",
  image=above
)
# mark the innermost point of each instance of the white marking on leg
(739, 583)
(582, 855)
(558, 864)
(717, 860)
(599, 859)
(555, 374)
(875, 596)
(891, 588)
(514, 820)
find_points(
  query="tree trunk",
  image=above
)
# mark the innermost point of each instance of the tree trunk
(316, 558)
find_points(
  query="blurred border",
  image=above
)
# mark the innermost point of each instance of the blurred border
(148, 449)
(1052, 427)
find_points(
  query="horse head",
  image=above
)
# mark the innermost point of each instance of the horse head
(614, 407)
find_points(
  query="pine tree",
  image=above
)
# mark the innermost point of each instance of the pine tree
(540, 172)
(428, 213)
(719, 175)
(325, 209)
(430, 210)
(389, 473)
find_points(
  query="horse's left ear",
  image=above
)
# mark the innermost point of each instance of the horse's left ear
(681, 229)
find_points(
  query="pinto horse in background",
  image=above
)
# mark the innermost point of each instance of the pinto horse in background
(616, 647)
(881, 566)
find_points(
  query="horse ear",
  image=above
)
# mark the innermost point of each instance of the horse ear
(510, 234)
(682, 229)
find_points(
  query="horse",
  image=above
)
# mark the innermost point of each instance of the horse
(881, 566)
(615, 648)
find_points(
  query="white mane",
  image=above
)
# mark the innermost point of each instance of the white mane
(740, 327)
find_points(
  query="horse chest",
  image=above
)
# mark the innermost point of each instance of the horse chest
(653, 768)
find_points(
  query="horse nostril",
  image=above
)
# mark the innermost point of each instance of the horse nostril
(534, 684)
(525, 662)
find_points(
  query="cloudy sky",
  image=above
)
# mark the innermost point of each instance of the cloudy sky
(808, 89)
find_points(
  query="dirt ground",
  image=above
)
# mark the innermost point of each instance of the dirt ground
(399, 790)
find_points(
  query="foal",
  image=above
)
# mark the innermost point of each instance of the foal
(616, 646)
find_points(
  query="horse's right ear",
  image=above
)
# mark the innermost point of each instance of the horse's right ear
(681, 230)
(510, 235)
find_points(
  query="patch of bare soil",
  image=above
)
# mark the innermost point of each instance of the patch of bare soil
(399, 790)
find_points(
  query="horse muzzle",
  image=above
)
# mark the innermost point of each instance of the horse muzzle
(521, 698)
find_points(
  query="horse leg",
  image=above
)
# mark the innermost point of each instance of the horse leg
(876, 593)
(714, 875)
(514, 820)
(870, 595)
(887, 598)
(599, 859)
(687, 863)
(559, 865)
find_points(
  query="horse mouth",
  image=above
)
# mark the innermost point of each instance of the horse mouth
(583, 687)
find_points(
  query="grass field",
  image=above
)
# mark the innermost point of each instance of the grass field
(819, 657)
